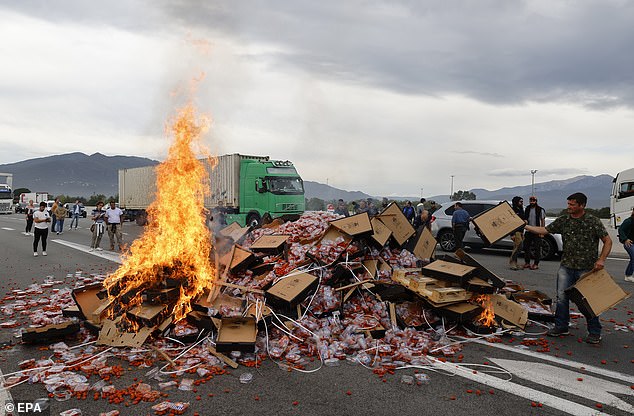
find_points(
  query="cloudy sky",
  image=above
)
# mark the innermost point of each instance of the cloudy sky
(386, 97)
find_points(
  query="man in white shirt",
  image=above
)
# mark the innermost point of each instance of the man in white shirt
(41, 219)
(114, 219)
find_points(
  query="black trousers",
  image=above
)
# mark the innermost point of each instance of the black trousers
(40, 233)
(535, 241)
(29, 224)
(458, 233)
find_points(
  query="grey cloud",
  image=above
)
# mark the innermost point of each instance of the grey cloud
(479, 153)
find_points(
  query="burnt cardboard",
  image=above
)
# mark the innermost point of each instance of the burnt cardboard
(395, 220)
(270, 244)
(72, 312)
(595, 293)
(537, 303)
(477, 285)
(482, 272)
(452, 272)
(370, 267)
(111, 335)
(149, 314)
(354, 225)
(291, 290)
(509, 310)
(49, 333)
(425, 245)
(237, 334)
(381, 233)
(496, 223)
(201, 320)
(460, 312)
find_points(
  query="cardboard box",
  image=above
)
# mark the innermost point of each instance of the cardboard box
(496, 223)
(292, 290)
(237, 258)
(452, 272)
(354, 225)
(482, 272)
(49, 333)
(425, 245)
(395, 220)
(381, 233)
(509, 310)
(90, 303)
(460, 312)
(234, 231)
(332, 234)
(111, 335)
(237, 334)
(270, 244)
(595, 293)
(478, 285)
(537, 303)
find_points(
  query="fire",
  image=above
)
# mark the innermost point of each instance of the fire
(487, 317)
(173, 251)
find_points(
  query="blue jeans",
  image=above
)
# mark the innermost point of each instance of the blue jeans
(629, 270)
(75, 221)
(59, 225)
(567, 277)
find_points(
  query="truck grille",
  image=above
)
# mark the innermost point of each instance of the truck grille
(289, 207)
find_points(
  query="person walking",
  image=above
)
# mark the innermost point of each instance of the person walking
(114, 220)
(60, 214)
(409, 212)
(459, 223)
(580, 233)
(420, 206)
(518, 235)
(29, 210)
(626, 237)
(535, 216)
(76, 213)
(98, 227)
(41, 218)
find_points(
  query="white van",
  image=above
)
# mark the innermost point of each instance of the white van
(622, 197)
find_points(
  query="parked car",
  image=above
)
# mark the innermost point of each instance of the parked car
(552, 244)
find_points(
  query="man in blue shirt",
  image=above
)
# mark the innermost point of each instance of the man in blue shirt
(459, 223)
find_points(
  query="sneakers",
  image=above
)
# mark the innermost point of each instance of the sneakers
(57, 233)
(527, 266)
(534, 267)
(99, 249)
(629, 279)
(593, 338)
(557, 332)
(91, 249)
(44, 253)
(513, 266)
(35, 254)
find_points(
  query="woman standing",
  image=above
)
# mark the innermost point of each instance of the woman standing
(626, 236)
(98, 227)
(30, 209)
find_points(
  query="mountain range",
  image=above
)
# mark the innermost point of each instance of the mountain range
(78, 174)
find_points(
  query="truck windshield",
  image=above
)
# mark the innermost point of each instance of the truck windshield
(285, 185)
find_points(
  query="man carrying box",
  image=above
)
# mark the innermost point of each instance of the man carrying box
(580, 233)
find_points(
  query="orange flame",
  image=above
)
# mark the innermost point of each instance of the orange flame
(176, 244)
(487, 317)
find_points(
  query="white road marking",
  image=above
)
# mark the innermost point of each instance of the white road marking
(8, 229)
(546, 399)
(108, 255)
(574, 364)
(582, 385)
(5, 394)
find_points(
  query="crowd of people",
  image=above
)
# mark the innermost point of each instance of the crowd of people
(37, 223)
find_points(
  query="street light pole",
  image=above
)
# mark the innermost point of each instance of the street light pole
(421, 191)
(533, 172)
(451, 194)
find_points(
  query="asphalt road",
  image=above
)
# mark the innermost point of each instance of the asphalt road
(572, 378)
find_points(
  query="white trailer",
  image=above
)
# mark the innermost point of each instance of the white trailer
(622, 197)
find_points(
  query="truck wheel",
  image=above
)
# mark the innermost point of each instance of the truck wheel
(253, 220)
(446, 240)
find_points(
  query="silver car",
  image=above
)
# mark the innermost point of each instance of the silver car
(441, 229)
